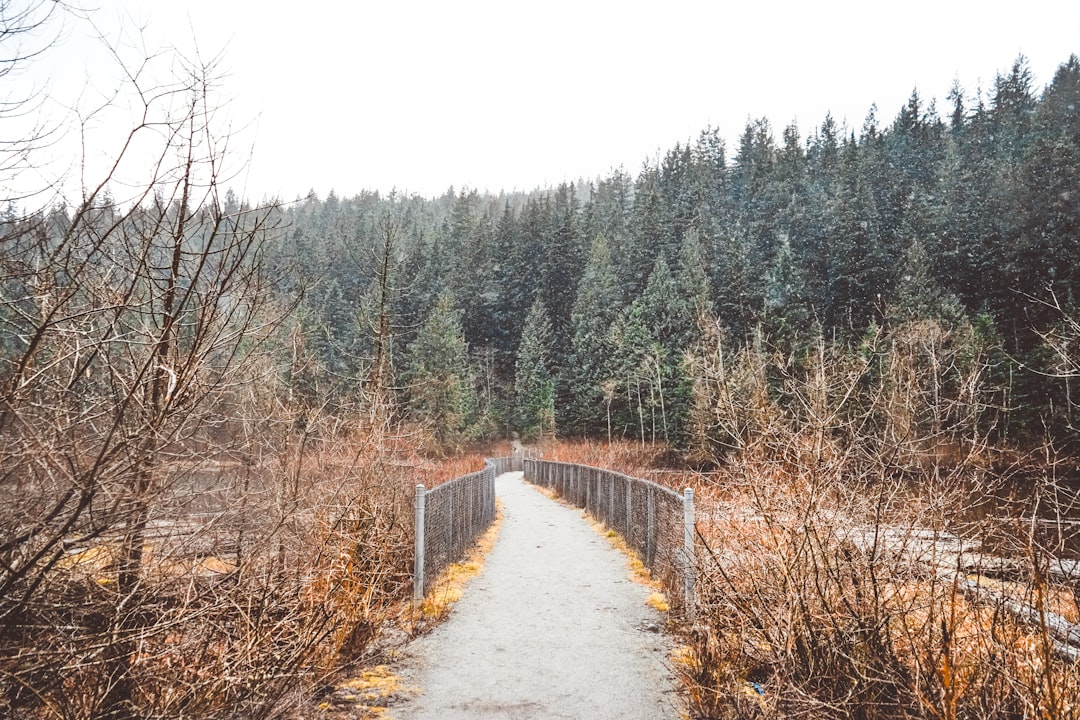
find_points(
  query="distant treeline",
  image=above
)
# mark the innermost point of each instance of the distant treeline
(575, 309)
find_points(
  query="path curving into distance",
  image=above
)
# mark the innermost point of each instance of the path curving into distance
(553, 627)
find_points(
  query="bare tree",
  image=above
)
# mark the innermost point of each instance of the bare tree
(27, 31)
(172, 542)
(845, 570)
(1062, 341)
(125, 329)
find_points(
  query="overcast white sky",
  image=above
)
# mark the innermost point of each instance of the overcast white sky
(420, 95)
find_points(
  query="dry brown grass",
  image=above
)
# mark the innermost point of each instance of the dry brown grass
(623, 456)
(793, 598)
(291, 566)
(821, 595)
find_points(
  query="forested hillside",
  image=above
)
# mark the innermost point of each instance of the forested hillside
(214, 412)
(590, 308)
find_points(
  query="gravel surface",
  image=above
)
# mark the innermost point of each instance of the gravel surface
(552, 628)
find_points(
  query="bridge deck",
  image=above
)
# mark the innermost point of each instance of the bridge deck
(552, 628)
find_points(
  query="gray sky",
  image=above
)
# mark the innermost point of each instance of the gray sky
(419, 95)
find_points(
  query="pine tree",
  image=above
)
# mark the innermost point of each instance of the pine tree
(650, 341)
(649, 229)
(733, 278)
(1012, 109)
(534, 381)
(691, 277)
(859, 275)
(511, 284)
(919, 295)
(586, 406)
(440, 383)
(786, 317)
(1050, 177)
(607, 212)
(561, 263)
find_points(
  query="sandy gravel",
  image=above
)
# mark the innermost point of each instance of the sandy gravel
(552, 628)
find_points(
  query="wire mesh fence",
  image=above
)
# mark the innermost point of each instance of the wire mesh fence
(505, 464)
(656, 522)
(450, 518)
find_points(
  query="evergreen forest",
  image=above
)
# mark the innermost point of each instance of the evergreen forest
(579, 310)
(848, 341)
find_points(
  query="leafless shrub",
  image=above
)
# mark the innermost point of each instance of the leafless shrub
(841, 574)
(181, 534)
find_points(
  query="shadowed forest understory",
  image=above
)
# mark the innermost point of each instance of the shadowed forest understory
(858, 345)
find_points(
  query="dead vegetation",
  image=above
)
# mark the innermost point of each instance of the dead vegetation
(864, 548)
(193, 523)
(289, 569)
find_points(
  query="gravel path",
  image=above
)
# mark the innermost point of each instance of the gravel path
(552, 628)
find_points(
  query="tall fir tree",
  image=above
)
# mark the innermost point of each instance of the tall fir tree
(440, 390)
(584, 403)
(829, 230)
(534, 380)
(650, 341)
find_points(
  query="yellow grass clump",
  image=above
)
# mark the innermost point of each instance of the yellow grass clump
(638, 572)
(449, 587)
(368, 694)
(658, 602)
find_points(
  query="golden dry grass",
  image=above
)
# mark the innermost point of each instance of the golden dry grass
(638, 572)
(366, 695)
(798, 619)
(449, 587)
(622, 456)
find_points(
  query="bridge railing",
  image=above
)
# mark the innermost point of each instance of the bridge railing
(656, 522)
(449, 519)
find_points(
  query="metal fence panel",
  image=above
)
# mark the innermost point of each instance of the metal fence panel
(450, 518)
(656, 522)
(505, 464)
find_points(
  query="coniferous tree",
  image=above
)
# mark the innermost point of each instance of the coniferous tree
(608, 210)
(1050, 234)
(677, 191)
(691, 276)
(733, 280)
(785, 315)
(608, 214)
(833, 230)
(858, 277)
(440, 384)
(534, 381)
(478, 297)
(650, 341)
(562, 264)
(649, 233)
(918, 294)
(976, 216)
(586, 398)
(510, 283)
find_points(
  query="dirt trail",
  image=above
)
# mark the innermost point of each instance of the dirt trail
(552, 628)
